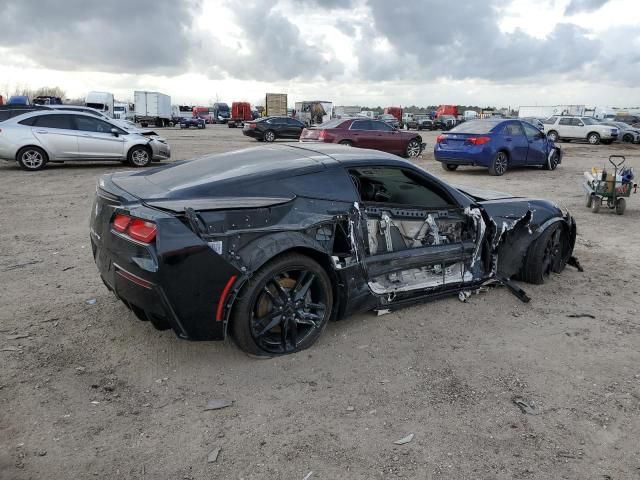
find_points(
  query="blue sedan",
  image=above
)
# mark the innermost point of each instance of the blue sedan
(497, 144)
(198, 122)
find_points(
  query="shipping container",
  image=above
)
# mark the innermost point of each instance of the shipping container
(276, 104)
(152, 107)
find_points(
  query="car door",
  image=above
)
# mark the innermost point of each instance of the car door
(361, 134)
(416, 237)
(96, 141)
(516, 143)
(294, 128)
(537, 153)
(57, 135)
(385, 137)
(566, 129)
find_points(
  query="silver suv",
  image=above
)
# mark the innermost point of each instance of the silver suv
(579, 128)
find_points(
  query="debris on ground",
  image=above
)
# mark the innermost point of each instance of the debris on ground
(213, 455)
(308, 475)
(404, 440)
(528, 407)
(11, 348)
(350, 408)
(581, 315)
(18, 336)
(91, 301)
(463, 295)
(217, 404)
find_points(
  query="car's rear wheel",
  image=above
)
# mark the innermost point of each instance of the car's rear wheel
(413, 148)
(449, 167)
(499, 164)
(552, 161)
(139, 156)
(548, 254)
(348, 143)
(553, 136)
(32, 158)
(593, 138)
(627, 138)
(284, 307)
(269, 136)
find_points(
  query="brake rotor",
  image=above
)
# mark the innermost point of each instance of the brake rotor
(265, 304)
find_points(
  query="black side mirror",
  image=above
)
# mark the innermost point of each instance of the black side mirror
(114, 132)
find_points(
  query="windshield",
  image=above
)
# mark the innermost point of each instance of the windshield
(474, 126)
(118, 109)
(332, 123)
(588, 121)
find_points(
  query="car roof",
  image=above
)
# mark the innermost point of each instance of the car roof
(50, 111)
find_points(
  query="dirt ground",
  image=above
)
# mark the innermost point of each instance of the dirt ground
(91, 392)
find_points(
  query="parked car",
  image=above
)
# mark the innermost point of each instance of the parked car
(390, 120)
(18, 100)
(632, 120)
(445, 122)
(423, 122)
(270, 243)
(496, 144)
(579, 128)
(47, 100)
(197, 122)
(628, 134)
(38, 137)
(269, 129)
(365, 133)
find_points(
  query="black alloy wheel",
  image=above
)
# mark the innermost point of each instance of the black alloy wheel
(549, 253)
(499, 164)
(284, 307)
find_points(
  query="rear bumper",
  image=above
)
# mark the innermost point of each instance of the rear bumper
(462, 158)
(253, 133)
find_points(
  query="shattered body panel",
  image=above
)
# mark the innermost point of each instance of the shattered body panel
(221, 218)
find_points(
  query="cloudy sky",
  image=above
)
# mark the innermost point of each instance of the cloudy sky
(366, 52)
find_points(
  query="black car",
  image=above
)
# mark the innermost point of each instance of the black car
(269, 243)
(10, 111)
(420, 122)
(270, 128)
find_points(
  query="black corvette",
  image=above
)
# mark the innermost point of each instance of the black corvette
(271, 242)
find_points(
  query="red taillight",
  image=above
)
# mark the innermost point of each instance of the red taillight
(136, 228)
(441, 138)
(121, 222)
(322, 135)
(478, 140)
(252, 125)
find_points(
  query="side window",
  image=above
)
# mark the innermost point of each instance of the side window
(576, 122)
(381, 126)
(513, 129)
(530, 130)
(27, 121)
(550, 121)
(397, 186)
(565, 121)
(361, 125)
(54, 121)
(88, 124)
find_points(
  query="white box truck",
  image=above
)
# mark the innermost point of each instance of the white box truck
(102, 101)
(152, 107)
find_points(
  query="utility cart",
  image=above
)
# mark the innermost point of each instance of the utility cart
(610, 190)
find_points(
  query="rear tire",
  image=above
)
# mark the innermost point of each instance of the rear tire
(627, 138)
(269, 136)
(449, 167)
(32, 159)
(499, 164)
(348, 143)
(547, 254)
(139, 156)
(270, 319)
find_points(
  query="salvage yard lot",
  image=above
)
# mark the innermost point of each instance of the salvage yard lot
(91, 392)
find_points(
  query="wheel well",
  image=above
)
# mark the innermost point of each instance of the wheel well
(46, 155)
(591, 133)
(506, 152)
(147, 147)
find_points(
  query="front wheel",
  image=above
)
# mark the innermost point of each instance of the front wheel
(348, 143)
(139, 156)
(32, 158)
(553, 136)
(549, 253)
(499, 164)
(627, 138)
(413, 149)
(284, 307)
(552, 161)
(269, 136)
(449, 167)
(593, 138)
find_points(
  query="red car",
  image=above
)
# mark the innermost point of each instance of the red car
(365, 133)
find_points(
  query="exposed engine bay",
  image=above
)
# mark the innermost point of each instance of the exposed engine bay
(393, 230)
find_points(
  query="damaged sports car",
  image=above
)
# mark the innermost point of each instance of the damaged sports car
(270, 243)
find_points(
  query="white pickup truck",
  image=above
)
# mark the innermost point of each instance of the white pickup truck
(579, 128)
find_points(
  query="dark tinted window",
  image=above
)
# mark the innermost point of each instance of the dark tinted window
(549, 121)
(28, 121)
(54, 121)
(361, 125)
(530, 130)
(89, 124)
(397, 186)
(513, 129)
(565, 121)
(385, 127)
(5, 115)
(294, 122)
(576, 122)
(475, 126)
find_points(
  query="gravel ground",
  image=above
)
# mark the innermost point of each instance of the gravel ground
(90, 392)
